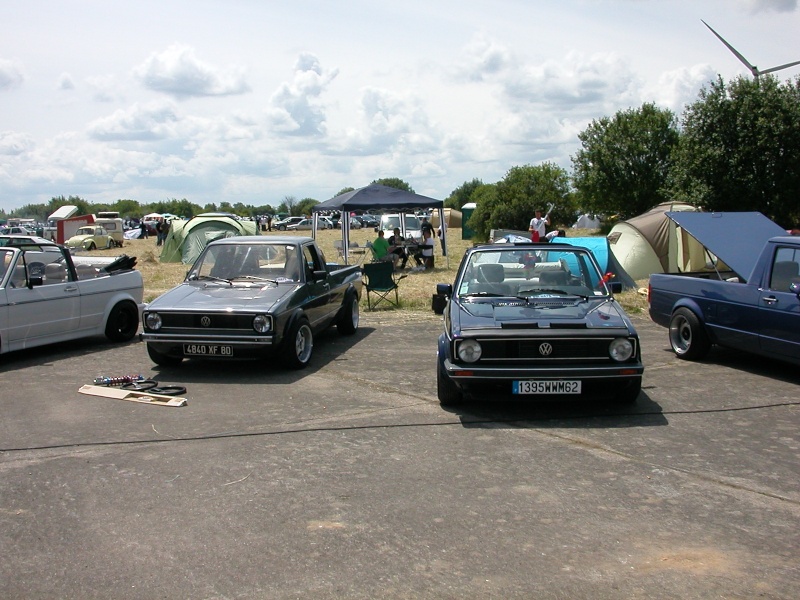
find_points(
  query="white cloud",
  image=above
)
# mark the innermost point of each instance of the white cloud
(13, 143)
(757, 6)
(178, 72)
(482, 58)
(675, 89)
(295, 107)
(10, 75)
(65, 82)
(154, 121)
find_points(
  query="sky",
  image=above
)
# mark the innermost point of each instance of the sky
(252, 101)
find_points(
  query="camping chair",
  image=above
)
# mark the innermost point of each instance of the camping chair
(381, 282)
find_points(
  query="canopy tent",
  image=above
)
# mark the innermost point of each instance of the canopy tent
(652, 243)
(152, 217)
(377, 197)
(187, 239)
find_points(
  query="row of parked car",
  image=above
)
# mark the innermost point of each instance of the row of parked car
(325, 222)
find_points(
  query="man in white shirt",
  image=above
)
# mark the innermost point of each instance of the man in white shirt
(538, 227)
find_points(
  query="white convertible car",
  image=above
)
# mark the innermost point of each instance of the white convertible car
(48, 296)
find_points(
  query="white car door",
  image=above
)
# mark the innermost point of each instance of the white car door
(42, 314)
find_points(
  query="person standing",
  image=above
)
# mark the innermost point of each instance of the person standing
(159, 237)
(538, 226)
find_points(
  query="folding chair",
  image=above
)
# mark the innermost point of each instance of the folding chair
(381, 282)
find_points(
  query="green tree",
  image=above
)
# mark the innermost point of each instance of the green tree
(305, 205)
(740, 149)
(344, 190)
(394, 182)
(462, 194)
(512, 202)
(485, 198)
(127, 208)
(624, 161)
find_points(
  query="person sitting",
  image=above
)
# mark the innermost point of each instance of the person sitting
(425, 253)
(397, 247)
(380, 249)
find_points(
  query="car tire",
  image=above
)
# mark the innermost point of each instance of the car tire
(349, 318)
(90, 246)
(687, 336)
(123, 322)
(161, 359)
(630, 394)
(281, 227)
(447, 391)
(299, 345)
(109, 244)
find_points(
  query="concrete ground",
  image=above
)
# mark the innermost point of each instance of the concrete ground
(349, 480)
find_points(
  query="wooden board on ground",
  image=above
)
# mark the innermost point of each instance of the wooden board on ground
(120, 394)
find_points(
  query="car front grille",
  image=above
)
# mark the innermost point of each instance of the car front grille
(211, 322)
(550, 350)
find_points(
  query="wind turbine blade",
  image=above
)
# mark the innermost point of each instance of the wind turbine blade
(786, 66)
(753, 69)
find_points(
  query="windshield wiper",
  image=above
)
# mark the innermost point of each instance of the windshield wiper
(254, 278)
(212, 278)
(542, 291)
(484, 295)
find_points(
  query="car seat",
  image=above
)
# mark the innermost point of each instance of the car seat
(489, 278)
(54, 273)
(553, 277)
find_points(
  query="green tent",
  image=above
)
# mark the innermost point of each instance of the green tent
(186, 239)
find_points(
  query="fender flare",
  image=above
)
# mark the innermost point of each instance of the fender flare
(692, 305)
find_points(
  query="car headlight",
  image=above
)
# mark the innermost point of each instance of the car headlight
(152, 320)
(620, 350)
(262, 324)
(469, 351)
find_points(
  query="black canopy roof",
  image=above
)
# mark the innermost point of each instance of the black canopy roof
(379, 197)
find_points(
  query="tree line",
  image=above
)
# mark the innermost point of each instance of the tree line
(735, 148)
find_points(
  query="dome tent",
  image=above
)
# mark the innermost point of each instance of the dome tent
(187, 239)
(652, 243)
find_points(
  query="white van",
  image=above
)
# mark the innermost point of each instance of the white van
(413, 227)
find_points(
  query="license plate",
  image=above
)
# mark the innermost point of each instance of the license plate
(207, 350)
(546, 386)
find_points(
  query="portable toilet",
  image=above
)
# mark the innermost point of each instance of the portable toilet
(467, 233)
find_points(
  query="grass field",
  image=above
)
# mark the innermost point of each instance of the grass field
(415, 290)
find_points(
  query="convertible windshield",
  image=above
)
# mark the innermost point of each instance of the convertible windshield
(248, 263)
(528, 272)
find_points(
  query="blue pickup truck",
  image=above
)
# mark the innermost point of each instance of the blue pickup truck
(749, 299)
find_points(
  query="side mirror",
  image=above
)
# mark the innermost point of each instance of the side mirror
(320, 275)
(615, 287)
(35, 280)
(444, 289)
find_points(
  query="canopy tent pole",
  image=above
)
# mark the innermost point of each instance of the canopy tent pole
(443, 227)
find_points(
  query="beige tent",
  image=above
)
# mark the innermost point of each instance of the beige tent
(652, 243)
(452, 218)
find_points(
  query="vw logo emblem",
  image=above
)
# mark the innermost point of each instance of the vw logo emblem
(545, 349)
(205, 321)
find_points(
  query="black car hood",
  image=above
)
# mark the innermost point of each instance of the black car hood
(571, 312)
(260, 296)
